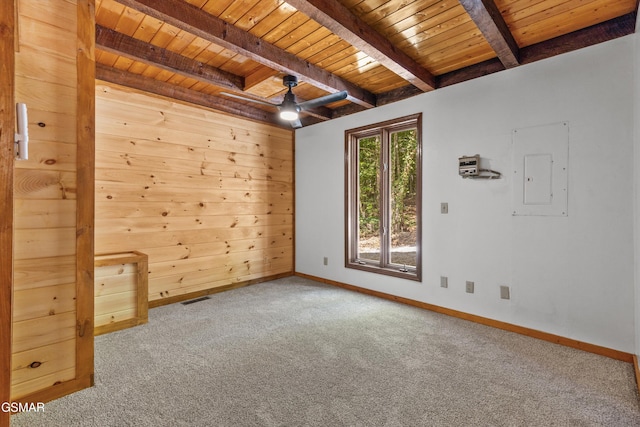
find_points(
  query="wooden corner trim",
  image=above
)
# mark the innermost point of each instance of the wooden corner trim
(8, 42)
(85, 179)
(637, 371)
(545, 336)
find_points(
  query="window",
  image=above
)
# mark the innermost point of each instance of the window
(383, 183)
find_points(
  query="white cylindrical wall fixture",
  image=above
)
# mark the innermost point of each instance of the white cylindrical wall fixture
(22, 134)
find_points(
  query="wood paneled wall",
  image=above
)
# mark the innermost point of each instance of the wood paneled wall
(208, 197)
(53, 212)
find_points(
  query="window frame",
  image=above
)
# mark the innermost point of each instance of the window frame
(352, 136)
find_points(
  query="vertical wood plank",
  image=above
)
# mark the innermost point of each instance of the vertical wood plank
(143, 289)
(85, 183)
(7, 120)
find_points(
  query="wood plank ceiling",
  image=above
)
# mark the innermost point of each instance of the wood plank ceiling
(379, 51)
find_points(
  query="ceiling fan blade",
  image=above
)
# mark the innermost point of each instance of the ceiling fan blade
(257, 101)
(327, 99)
(296, 124)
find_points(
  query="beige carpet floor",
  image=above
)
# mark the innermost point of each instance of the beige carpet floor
(293, 352)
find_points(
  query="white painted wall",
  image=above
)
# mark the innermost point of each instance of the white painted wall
(572, 276)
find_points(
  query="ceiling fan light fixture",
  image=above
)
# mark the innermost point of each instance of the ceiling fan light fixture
(289, 114)
(289, 109)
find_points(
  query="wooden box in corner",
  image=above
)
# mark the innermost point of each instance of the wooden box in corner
(121, 291)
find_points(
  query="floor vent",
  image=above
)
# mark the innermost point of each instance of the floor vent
(195, 300)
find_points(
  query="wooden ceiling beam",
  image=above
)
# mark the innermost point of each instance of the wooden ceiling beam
(189, 18)
(120, 44)
(599, 33)
(321, 113)
(484, 68)
(384, 98)
(147, 84)
(397, 94)
(351, 28)
(614, 28)
(489, 20)
(348, 109)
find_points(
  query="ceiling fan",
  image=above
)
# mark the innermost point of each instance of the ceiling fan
(289, 109)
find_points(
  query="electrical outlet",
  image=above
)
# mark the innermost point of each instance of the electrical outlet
(325, 261)
(470, 287)
(444, 282)
(444, 208)
(504, 292)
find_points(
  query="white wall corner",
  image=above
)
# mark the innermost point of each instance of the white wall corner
(636, 183)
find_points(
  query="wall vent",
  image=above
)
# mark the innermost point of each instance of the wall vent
(195, 300)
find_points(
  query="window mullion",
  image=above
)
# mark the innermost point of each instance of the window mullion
(385, 208)
(352, 167)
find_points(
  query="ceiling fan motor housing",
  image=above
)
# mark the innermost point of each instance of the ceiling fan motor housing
(290, 81)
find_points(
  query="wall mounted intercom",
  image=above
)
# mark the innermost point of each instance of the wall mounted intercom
(469, 167)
